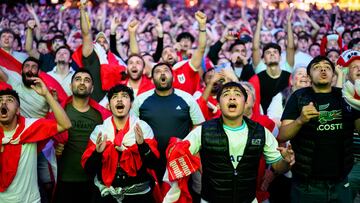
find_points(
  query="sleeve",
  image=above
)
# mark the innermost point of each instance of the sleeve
(113, 45)
(159, 49)
(291, 111)
(214, 52)
(135, 107)
(194, 137)
(195, 112)
(275, 108)
(14, 78)
(271, 154)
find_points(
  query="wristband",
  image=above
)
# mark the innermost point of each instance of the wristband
(202, 30)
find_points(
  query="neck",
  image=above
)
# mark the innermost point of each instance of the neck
(273, 71)
(248, 113)
(164, 93)
(120, 122)
(63, 69)
(233, 123)
(325, 89)
(6, 49)
(134, 83)
(11, 126)
(81, 104)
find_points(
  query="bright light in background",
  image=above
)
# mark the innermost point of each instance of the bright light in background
(133, 3)
(54, 1)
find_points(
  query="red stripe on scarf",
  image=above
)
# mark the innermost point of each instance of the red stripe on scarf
(39, 130)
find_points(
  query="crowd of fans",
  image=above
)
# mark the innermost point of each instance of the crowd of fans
(111, 57)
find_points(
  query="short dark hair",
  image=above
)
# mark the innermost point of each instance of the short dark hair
(161, 64)
(58, 37)
(271, 45)
(231, 84)
(121, 88)
(10, 92)
(314, 44)
(82, 70)
(237, 42)
(332, 50)
(345, 31)
(30, 58)
(317, 59)
(136, 55)
(352, 31)
(63, 47)
(7, 30)
(353, 42)
(185, 35)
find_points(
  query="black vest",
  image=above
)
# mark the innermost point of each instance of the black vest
(220, 181)
(304, 145)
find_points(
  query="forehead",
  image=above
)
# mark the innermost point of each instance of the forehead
(134, 58)
(355, 63)
(63, 50)
(30, 63)
(82, 75)
(7, 96)
(238, 46)
(168, 49)
(7, 34)
(121, 93)
(271, 49)
(101, 39)
(231, 89)
(321, 63)
(162, 67)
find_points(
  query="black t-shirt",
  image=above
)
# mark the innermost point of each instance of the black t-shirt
(83, 123)
(336, 121)
(269, 87)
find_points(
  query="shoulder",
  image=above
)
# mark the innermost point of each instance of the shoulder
(181, 64)
(188, 98)
(143, 96)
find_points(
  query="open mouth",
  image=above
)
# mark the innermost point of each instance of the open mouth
(232, 107)
(162, 78)
(120, 106)
(3, 111)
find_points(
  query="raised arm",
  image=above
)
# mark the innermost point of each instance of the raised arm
(256, 56)
(29, 40)
(290, 48)
(63, 121)
(3, 76)
(314, 25)
(37, 21)
(133, 26)
(88, 45)
(199, 52)
(115, 22)
(160, 40)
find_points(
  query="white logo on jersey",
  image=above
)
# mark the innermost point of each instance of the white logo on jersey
(178, 108)
(181, 78)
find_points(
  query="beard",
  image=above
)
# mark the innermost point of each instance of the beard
(321, 84)
(163, 88)
(79, 94)
(28, 82)
(273, 63)
(136, 76)
(62, 62)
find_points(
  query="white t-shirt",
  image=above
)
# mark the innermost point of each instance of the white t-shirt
(32, 105)
(64, 82)
(237, 141)
(24, 187)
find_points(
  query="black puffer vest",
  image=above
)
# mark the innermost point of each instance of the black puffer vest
(304, 144)
(220, 181)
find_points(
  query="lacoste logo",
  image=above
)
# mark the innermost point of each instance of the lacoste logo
(178, 108)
